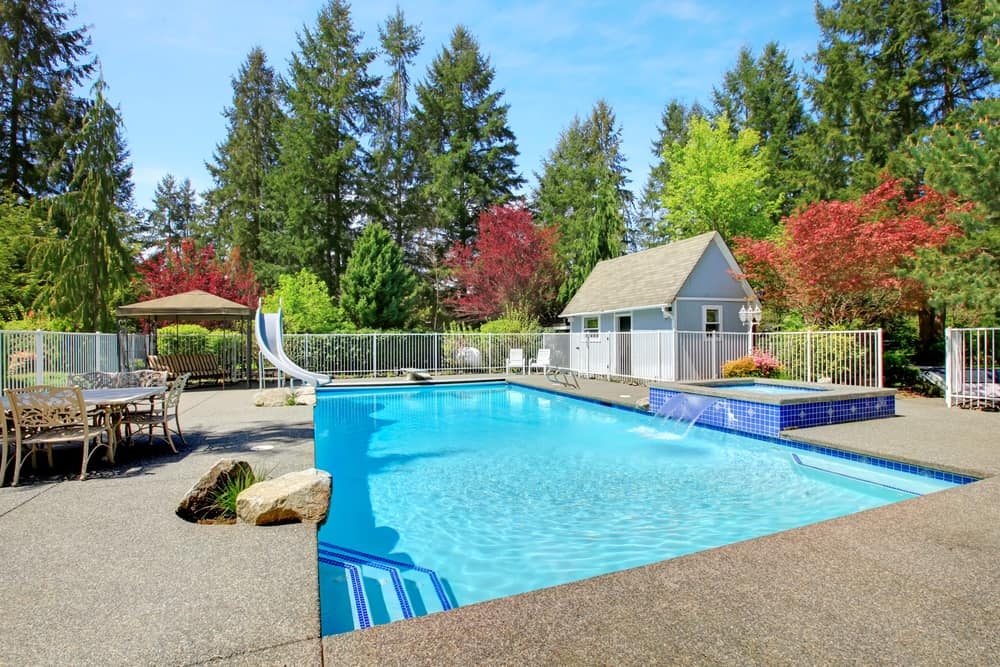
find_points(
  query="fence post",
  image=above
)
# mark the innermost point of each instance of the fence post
(97, 351)
(809, 355)
(715, 356)
(437, 349)
(675, 354)
(878, 358)
(39, 357)
(374, 356)
(948, 366)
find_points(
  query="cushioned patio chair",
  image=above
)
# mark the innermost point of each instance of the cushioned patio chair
(46, 416)
(161, 411)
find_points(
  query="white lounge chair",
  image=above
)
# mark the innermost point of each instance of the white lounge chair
(543, 361)
(516, 359)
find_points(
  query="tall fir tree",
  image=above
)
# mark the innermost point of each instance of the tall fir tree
(242, 162)
(762, 94)
(42, 60)
(583, 191)
(88, 271)
(884, 70)
(174, 216)
(467, 149)
(672, 131)
(317, 189)
(377, 288)
(394, 197)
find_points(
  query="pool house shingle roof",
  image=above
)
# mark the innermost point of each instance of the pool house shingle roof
(643, 279)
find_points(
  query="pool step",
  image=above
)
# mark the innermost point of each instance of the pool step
(390, 589)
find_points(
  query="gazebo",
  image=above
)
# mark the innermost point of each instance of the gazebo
(193, 306)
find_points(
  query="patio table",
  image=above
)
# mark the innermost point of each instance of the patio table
(112, 402)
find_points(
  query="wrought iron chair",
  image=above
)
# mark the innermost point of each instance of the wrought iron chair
(161, 412)
(93, 380)
(46, 416)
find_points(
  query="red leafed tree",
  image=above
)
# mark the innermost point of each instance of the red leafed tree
(511, 264)
(841, 262)
(190, 267)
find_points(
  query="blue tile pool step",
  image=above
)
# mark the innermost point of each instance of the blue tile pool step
(403, 590)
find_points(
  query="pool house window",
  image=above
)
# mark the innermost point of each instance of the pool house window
(590, 327)
(711, 319)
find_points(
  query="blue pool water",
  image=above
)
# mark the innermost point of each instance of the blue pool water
(762, 388)
(445, 496)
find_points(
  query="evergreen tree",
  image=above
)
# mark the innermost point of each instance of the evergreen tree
(87, 271)
(377, 287)
(174, 215)
(583, 192)
(18, 283)
(242, 162)
(718, 183)
(394, 198)
(762, 94)
(884, 71)
(672, 131)
(40, 65)
(467, 148)
(317, 190)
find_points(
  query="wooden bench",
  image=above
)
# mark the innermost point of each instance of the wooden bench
(201, 366)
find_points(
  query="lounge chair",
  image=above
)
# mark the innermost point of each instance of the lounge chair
(543, 361)
(516, 359)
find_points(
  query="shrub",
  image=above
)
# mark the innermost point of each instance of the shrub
(759, 364)
(225, 497)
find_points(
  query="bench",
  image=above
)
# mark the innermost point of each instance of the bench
(201, 366)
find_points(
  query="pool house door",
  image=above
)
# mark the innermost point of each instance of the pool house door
(623, 345)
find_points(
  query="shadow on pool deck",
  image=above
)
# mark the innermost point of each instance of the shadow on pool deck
(102, 572)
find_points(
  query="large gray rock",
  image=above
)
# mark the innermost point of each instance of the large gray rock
(199, 501)
(273, 398)
(297, 496)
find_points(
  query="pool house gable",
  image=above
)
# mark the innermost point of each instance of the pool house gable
(689, 285)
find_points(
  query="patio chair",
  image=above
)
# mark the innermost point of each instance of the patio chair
(543, 361)
(93, 380)
(516, 359)
(162, 410)
(47, 416)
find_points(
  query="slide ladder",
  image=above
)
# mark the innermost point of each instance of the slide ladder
(269, 330)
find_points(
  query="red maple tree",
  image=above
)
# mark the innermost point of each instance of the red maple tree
(839, 262)
(510, 265)
(191, 267)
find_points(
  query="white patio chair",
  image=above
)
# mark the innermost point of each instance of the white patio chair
(543, 361)
(516, 359)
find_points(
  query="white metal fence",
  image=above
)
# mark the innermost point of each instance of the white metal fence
(46, 357)
(972, 373)
(843, 357)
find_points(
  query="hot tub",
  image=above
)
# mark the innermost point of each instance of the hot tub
(767, 407)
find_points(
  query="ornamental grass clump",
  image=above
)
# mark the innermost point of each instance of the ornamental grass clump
(759, 364)
(225, 496)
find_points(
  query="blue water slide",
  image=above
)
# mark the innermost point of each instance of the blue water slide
(269, 330)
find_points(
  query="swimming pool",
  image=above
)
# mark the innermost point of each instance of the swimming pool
(446, 496)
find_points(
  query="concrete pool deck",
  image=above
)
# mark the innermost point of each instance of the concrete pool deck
(103, 572)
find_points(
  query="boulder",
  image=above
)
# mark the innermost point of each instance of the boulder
(272, 398)
(305, 396)
(642, 403)
(297, 496)
(199, 501)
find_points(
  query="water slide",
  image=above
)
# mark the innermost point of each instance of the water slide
(269, 330)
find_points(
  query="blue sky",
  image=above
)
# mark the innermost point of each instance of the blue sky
(169, 64)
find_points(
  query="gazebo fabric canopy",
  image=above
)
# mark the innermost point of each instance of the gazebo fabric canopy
(193, 306)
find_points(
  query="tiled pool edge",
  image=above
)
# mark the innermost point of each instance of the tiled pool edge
(784, 439)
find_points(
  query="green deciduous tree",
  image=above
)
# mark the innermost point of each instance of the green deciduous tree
(243, 160)
(717, 182)
(394, 198)
(316, 193)
(582, 191)
(672, 131)
(88, 270)
(762, 94)
(377, 287)
(467, 149)
(884, 71)
(41, 63)
(308, 307)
